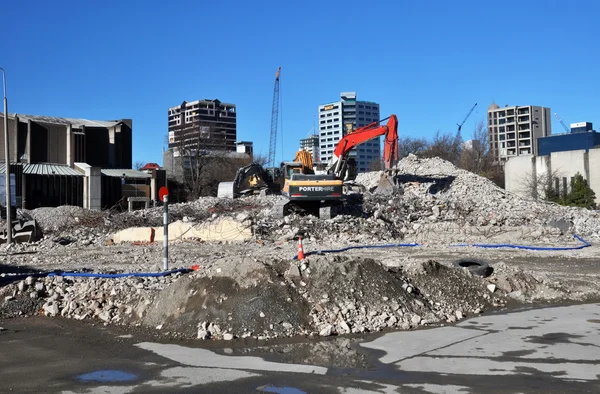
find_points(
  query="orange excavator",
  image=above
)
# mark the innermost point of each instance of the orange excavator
(323, 193)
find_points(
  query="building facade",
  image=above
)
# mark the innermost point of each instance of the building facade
(203, 124)
(581, 127)
(568, 141)
(343, 117)
(311, 144)
(555, 170)
(67, 161)
(513, 131)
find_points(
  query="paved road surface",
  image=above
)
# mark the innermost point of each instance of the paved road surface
(534, 351)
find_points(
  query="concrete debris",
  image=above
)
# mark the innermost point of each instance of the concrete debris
(248, 286)
(436, 193)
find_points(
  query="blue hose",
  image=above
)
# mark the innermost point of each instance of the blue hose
(135, 274)
(13, 278)
(490, 246)
(585, 245)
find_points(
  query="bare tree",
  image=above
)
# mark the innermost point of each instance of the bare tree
(446, 146)
(408, 145)
(138, 165)
(260, 158)
(475, 155)
(204, 160)
(541, 186)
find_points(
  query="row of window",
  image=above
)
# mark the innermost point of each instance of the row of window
(335, 126)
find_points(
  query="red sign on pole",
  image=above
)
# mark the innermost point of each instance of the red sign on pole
(162, 192)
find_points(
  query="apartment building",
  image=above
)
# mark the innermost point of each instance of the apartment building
(311, 144)
(342, 117)
(514, 130)
(203, 124)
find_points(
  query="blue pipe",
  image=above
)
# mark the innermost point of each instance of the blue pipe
(490, 246)
(585, 245)
(93, 275)
(135, 274)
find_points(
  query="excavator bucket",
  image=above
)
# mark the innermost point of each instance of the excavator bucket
(225, 190)
(387, 184)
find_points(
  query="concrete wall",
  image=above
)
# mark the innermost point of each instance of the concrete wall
(567, 164)
(56, 144)
(562, 165)
(594, 172)
(12, 135)
(516, 171)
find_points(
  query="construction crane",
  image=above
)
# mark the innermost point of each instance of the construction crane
(466, 117)
(562, 123)
(274, 121)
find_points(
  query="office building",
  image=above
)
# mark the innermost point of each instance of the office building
(311, 144)
(342, 117)
(514, 130)
(581, 137)
(203, 124)
(581, 127)
(68, 161)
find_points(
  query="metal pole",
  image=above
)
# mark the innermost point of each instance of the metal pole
(166, 233)
(7, 163)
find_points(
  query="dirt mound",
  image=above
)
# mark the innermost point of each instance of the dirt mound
(259, 305)
(452, 292)
(524, 286)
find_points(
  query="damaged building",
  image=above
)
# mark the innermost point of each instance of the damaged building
(66, 161)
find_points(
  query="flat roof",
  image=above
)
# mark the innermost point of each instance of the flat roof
(75, 122)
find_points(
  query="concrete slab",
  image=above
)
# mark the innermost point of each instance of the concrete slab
(221, 230)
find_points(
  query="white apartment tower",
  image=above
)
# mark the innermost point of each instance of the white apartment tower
(513, 131)
(342, 117)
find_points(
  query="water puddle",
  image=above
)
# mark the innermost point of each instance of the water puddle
(107, 376)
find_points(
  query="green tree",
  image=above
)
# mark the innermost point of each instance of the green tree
(580, 195)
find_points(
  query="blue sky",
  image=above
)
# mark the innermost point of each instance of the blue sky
(426, 61)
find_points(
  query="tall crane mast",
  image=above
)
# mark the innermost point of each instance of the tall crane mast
(466, 117)
(274, 121)
(562, 123)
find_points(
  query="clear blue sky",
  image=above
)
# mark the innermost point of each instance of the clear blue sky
(426, 61)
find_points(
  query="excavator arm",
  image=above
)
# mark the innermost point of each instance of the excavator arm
(339, 159)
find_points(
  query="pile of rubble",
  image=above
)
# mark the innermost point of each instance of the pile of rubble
(436, 195)
(262, 299)
(110, 300)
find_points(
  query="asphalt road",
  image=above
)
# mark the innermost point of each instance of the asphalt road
(534, 351)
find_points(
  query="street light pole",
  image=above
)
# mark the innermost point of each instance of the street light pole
(7, 164)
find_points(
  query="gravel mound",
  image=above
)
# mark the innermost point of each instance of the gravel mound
(434, 191)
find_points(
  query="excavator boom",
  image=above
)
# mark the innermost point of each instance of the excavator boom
(363, 134)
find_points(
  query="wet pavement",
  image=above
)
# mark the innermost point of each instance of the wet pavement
(529, 351)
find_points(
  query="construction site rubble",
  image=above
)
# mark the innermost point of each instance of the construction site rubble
(246, 284)
(436, 195)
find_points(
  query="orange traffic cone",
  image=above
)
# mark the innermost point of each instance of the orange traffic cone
(300, 249)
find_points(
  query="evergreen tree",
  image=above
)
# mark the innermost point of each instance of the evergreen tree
(580, 195)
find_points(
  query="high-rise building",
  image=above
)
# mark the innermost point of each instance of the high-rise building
(203, 124)
(342, 117)
(311, 144)
(513, 131)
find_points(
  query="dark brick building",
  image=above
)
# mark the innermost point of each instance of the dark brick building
(204, 124)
